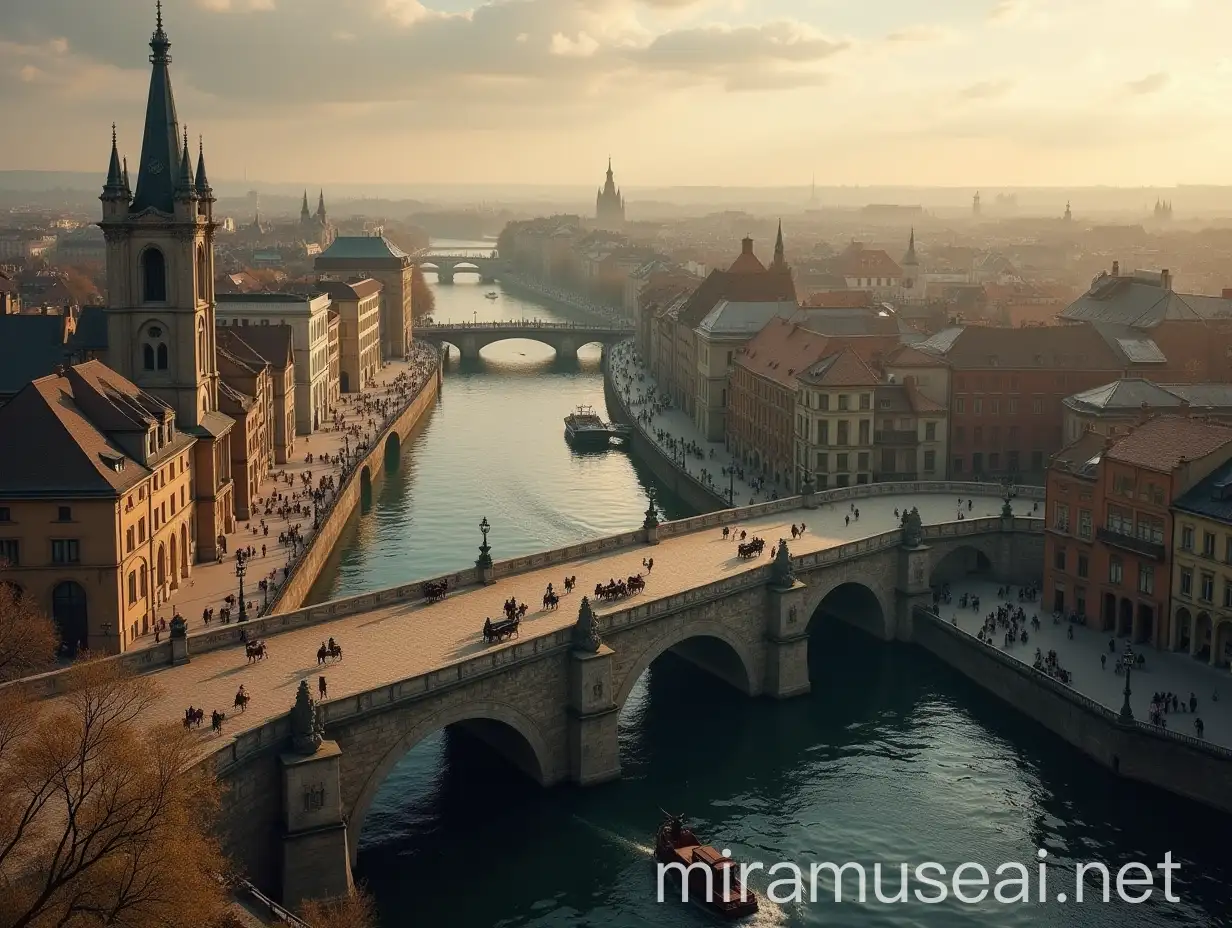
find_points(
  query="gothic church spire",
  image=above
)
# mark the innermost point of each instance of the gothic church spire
(159, 169)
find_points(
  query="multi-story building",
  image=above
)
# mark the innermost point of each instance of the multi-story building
(870, 269)
(358, 257)
(307, 315)
(359, 304)
(1109, 521)
(273, 345)
(834, 411)
(96, 505)
(247, 396)
(1008, 391)
(1117, 408)
(1202, 569)
(334, 354)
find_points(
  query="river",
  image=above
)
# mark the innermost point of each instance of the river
(893, 758)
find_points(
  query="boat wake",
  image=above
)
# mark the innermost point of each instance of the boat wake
(768, 915)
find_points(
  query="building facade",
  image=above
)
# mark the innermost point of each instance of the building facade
(307, 316)
(273, 345)
(359, 306)
(1202, 570)
(358, 257)
(1117, 408)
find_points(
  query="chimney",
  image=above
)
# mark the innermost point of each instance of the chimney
(746, 245)
(1165, 279)
(1144, 413)
(1116, 268)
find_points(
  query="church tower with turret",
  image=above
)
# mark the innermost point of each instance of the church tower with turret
(160, 259)
(609, 204)
(160, 290)
(911, 270)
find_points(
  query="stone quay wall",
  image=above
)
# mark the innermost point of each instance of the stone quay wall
(307, 570)
(695, 493)
(1170, 760)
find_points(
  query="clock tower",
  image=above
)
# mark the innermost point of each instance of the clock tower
(160, 260)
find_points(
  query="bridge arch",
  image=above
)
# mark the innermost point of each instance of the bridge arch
(965, 561)
(519, 739)
(707, 644)
(853, 602)
(393, 445)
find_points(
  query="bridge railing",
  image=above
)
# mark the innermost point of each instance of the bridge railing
(1065, 691)
(537, 324)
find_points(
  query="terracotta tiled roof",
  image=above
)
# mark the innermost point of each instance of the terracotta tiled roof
(919, 402)
(1162, 442)
(839, 299)
(746, 262)
(270, 342)
(867, 262)
(764, 287)
(782, 349)
(907, 356)
(844, 369)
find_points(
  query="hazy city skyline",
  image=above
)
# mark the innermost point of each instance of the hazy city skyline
(712, 92)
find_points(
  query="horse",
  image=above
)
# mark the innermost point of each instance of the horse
(241, 701)
(193, 718)
(637, 583)
(521, 611)
(255, 651)
(569, 583)
(323, 652)
(499, 631)
(216, 720)
(434, 591)
(550, 600)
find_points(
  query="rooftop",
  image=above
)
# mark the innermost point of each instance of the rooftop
(1211, 496)
(362, 247)
(1162, 443)
(1143, 300)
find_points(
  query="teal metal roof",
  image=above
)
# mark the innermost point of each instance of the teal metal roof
(351, 247)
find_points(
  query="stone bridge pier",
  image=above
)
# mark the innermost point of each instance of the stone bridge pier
(549, 704)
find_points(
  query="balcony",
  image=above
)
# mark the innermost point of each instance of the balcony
(1132, 543)
(896, 437)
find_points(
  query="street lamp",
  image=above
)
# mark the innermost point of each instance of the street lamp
(1127, 714)
(485, 551)
(241, 566)
(1007, 508)
(264, 585)
(731, 485)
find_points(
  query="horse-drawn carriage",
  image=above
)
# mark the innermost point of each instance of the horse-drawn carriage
(499, 631)
(616, 589)
(753, 548)
(434, 590)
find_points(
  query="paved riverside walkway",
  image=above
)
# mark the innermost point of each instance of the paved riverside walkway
(407, 639)
(209, 583)
(671, 428)
(1164, 671)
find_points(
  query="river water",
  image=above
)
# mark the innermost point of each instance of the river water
(892, 759)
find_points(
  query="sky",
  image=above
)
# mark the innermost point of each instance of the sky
(962, 93)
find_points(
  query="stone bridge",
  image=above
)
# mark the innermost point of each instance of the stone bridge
(566, 337)
(546, 704)
(487, 266)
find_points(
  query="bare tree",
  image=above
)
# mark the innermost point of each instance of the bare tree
(28, 638)
(354, 911)
(103, 819)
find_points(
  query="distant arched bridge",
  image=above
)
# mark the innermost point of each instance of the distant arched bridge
(446, 264)
(566, 337)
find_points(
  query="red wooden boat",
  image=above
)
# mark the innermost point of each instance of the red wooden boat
(713, 880)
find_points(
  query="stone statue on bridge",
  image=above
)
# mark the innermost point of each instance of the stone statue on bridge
(781, 573)
(586, 629)
(913, 528)
(307, 733)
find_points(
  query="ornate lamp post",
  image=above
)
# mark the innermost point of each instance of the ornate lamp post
(1127, 659)
(652, 518)
(731, 485)
(241, 567)
(264, 585)
(485, 550)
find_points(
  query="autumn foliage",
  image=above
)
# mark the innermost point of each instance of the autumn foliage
(354, 911)
(104, 820)
(423, 300)
(28, 638)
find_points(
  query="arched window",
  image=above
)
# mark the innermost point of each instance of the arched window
(201, 345)
(154, 348)
(203, 278)
(153, 276)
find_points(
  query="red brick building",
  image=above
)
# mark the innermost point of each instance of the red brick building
(1108, 543)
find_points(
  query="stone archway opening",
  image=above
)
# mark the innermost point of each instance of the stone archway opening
(365, 488)
(1184, 629)
(519, 349)
(393, 452)
(965, 564)
(853, 604)
(457, 762)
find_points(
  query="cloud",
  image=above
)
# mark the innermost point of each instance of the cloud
(985, 90)
(920, 33)
(582, 47)
(1005, 11)
(1152, 83)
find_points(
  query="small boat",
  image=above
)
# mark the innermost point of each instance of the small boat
(713, 880)
(491, 295)
(585, 429)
